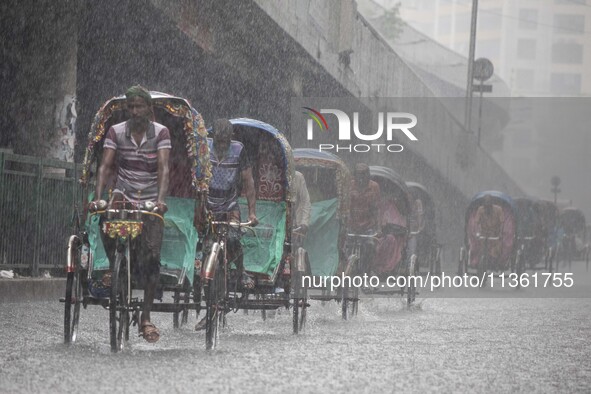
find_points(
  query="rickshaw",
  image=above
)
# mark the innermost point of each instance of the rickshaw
(531, 234)
(392, 257)
(328, 181)
(267, 247)
(90, 279)
(549, 214)
(573, 243)
(475, 256)
(428, 251)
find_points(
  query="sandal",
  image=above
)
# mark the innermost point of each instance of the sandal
(149, 331)
(247, 281)
(201, 325)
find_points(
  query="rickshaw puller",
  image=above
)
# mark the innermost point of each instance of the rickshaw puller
(141, 149)
(489, 218)
(231, 169)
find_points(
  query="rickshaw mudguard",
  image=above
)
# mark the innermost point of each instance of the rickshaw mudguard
(508, 228)
(177, 256)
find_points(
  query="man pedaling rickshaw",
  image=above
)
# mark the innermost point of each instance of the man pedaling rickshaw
(231, 170)
(364, 209)
(140, 149)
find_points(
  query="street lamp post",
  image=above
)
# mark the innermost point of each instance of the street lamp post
(468, 107)
(555, 181)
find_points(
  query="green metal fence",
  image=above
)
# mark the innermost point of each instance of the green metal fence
(37, 201)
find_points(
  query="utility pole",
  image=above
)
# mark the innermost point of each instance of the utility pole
(468, 106)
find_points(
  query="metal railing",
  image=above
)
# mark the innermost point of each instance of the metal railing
(37, 199)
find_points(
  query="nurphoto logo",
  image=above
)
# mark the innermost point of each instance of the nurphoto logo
(400, 122)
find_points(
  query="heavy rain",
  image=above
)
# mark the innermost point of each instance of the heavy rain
(308, 196)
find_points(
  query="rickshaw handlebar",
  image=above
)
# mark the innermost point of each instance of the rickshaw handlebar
(147, 208)
(232, 223)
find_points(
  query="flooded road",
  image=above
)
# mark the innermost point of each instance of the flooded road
(443, 344)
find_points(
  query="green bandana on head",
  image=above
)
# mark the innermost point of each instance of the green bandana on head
(139, 91)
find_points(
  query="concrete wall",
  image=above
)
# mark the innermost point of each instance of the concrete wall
(37, 76)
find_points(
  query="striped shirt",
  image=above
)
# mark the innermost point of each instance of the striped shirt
(137, 165)
(226, 177)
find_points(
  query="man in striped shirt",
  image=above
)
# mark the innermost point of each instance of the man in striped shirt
(140, 148)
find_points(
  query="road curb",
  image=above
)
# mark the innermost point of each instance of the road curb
(32, 289)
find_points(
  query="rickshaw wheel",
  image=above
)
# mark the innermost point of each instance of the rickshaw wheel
(345, 297)
(482, 267)
(180, 316)
(550, 266)
(300, 299)
(355, 302)
(263, 311)
(185, 313)
(72, 306)
(519, 267)
(299, 317)
(118, 305)
(411, 289)
(197, 295)
(214, 312)
(346, 301)
(176, 321)
(438, 263)
(461, 266)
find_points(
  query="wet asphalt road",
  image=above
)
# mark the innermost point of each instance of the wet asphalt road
(443, 344)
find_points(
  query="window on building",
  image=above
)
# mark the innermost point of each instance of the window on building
(528, 19)
(526, 49)
(569, 24)
(565, 83)
(524, 79)
(462, 24)
(490, 19)
(567, 53)
(444, 25)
